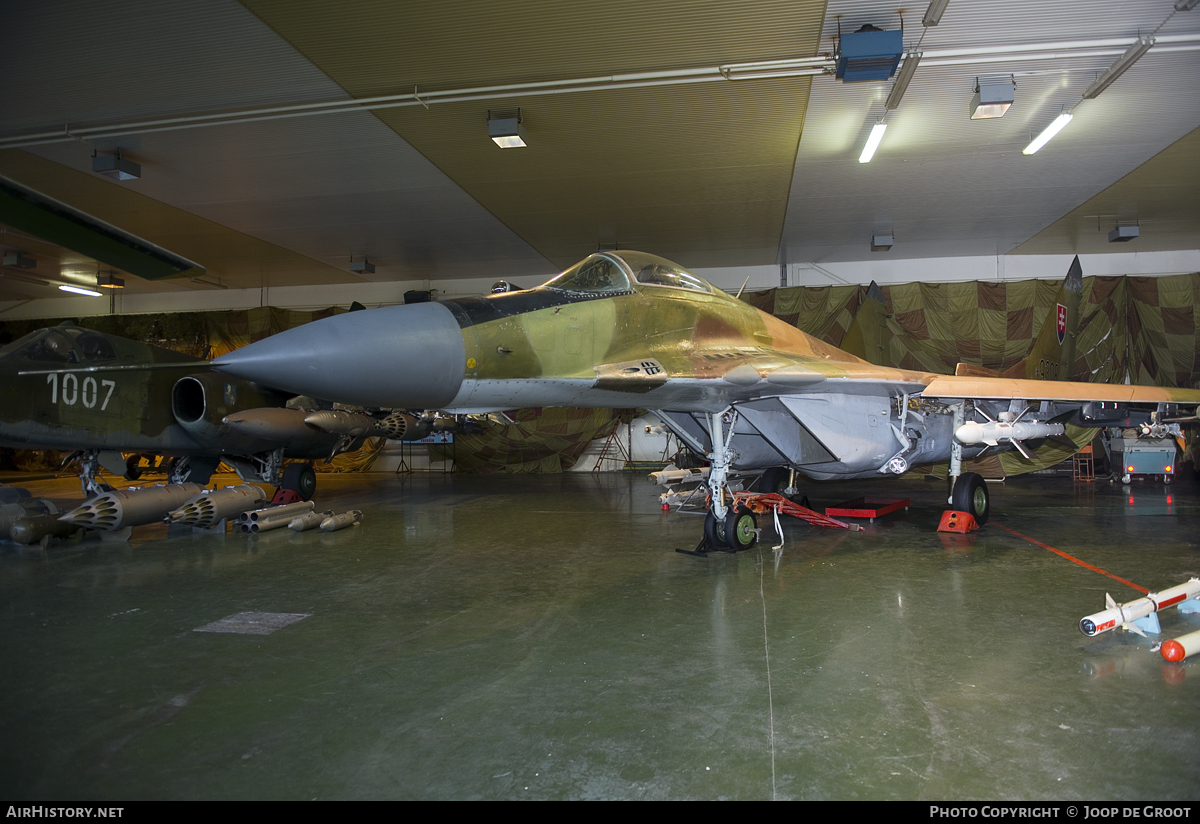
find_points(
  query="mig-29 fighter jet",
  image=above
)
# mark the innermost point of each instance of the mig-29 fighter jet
(629, 329)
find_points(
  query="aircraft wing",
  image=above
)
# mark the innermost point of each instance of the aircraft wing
(987, 388)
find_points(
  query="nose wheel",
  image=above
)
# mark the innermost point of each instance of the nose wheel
(738, 530)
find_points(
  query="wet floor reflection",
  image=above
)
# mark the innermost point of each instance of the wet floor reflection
(538, 637)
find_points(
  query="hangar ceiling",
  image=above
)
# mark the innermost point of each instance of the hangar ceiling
(663, 126)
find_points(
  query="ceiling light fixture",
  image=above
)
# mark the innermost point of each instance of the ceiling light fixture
(1185, 5)
(16, 258)
(505, 129)
(1123, 234)
(933, 14)
(115, 166)
(1119, 66)
(109, 280)
(901, 85)
(881, 243)
(872, 142)
(992, 98)
(363, 267)
(79, 290)
(1047, 133)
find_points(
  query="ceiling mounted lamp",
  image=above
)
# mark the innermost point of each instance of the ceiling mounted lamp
(1123, 234)
(1047, 133)
(992, 98)
(505, 129)
(362, 267)
(115, 166)
(79, 290)
(933, 14)
(16, 259)
(881, 243)
(873, 139)
(911, 60)
(1119, 66)
(109, 280)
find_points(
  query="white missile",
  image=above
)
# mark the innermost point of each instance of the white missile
(1124, 615)
(995, 432)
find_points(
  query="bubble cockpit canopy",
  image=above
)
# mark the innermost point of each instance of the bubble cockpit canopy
(615, 273)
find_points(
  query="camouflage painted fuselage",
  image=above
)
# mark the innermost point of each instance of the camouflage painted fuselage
(626, 329)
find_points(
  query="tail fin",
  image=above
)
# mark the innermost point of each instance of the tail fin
(1053, 353)
(867, 337)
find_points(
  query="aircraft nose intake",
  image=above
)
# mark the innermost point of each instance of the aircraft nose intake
(408, 357)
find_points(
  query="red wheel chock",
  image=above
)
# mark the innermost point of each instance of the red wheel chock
(285, 496)
(955, 521)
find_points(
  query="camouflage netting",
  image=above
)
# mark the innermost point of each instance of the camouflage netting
(1143, 326)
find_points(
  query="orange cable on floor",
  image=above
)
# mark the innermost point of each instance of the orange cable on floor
(1084, 564)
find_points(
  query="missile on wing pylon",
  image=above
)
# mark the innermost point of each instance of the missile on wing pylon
(309, 520)
(210, 508)
(135, 506)
(995, 432)
(340, 422)
(345, 519)
(1139, 616)
(1182, 647)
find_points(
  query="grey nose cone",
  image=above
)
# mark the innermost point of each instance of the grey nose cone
(406, 357)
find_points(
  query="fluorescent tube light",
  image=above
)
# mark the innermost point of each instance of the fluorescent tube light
(872, 142)
(902, 78)
(1131, 55)
(933, 14)
(79, 290)
(1047, 133)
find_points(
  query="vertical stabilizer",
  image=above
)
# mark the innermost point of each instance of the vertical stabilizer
(867, 337)
(1053, 354)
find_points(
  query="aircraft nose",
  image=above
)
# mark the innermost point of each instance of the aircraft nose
(403, 357)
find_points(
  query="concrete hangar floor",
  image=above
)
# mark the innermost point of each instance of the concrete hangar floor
(538, 637)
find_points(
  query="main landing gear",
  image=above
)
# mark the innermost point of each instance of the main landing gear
(971, 495)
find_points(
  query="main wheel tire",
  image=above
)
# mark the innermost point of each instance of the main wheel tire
(971, 495)
(133, 469)
(300, 478)
(740, 529)
(774, 480)
(714, 531)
